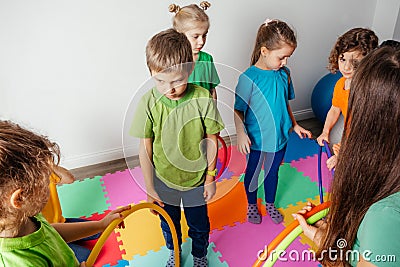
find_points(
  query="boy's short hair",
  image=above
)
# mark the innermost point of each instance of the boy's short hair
(169, 50)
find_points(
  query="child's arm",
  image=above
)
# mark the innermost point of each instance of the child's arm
(209, 185)
(146, 162)
(301, 132)
(74, 231)
(243, 140)
(213, 93)
(331, 119)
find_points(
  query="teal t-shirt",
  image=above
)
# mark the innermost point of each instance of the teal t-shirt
(263, 96)
(378, 236)
(204, 73)
(44, 247)
(178, 128)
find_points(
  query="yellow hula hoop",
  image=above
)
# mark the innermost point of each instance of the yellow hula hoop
(110, 228)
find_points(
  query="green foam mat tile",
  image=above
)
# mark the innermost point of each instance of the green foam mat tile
(293, 187)
(82, 198)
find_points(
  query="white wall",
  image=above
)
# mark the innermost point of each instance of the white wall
(69, 69)
(385, 19)
(396, 34)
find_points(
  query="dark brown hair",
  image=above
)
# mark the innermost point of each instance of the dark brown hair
(169, 50)
(368, 168)
(26, 162)
(356, 39)
(187, 15)
(272, 35)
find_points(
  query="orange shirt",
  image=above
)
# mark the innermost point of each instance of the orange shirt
(340, 97)
(52, 211)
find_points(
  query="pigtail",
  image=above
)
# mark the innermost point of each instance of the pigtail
(205, 5)
(173, 8)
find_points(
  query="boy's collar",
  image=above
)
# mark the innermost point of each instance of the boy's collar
(175, 103)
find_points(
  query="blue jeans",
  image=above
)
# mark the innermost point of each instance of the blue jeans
(195, 210)
(81, 253)
(271, 162)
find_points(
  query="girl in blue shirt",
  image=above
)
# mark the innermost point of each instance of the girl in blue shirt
(263, 116)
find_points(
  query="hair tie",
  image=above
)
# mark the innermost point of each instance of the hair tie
(174, 8)
(267, 21)
(204, 5)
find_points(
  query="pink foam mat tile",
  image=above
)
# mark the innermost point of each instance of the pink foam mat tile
(309, 167)
(236, 162)
(239, 245)
(125, 187)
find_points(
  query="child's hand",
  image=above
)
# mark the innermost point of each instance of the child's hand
(152, 197)
(331, 162)
(243, 143)
(115, 214)
(301, 132)
(336, 149)
(83, 264)
(314, 232)
(322, 137)
(209, 188)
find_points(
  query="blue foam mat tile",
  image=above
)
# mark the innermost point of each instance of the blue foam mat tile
(299, 148)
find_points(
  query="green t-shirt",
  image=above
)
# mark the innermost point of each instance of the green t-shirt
(204, 73)
(44, 247)
(378, 237)
(178, 128)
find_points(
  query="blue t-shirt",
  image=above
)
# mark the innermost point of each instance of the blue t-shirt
(263, 96)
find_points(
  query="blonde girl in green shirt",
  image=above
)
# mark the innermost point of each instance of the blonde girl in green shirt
(193, 21)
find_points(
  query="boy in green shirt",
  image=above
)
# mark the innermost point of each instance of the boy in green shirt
(178, 124)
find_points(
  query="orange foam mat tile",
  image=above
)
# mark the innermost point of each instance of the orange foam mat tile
(229, 204)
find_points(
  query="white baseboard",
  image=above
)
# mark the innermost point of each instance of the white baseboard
(99, 157)
(132, 150)
(303, 114)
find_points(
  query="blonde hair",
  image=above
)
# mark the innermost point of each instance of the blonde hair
(169, 50)
(188, 15)
(272, 34)
(26, 162)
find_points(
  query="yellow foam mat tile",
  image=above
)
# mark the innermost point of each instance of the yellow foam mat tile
(143, 233)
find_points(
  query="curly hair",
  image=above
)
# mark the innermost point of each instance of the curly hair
(356, 39)
(26, 162)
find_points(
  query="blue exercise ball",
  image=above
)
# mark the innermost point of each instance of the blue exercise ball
(321, 98)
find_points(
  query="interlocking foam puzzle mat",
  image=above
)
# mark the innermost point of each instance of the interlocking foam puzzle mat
(233, 241)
